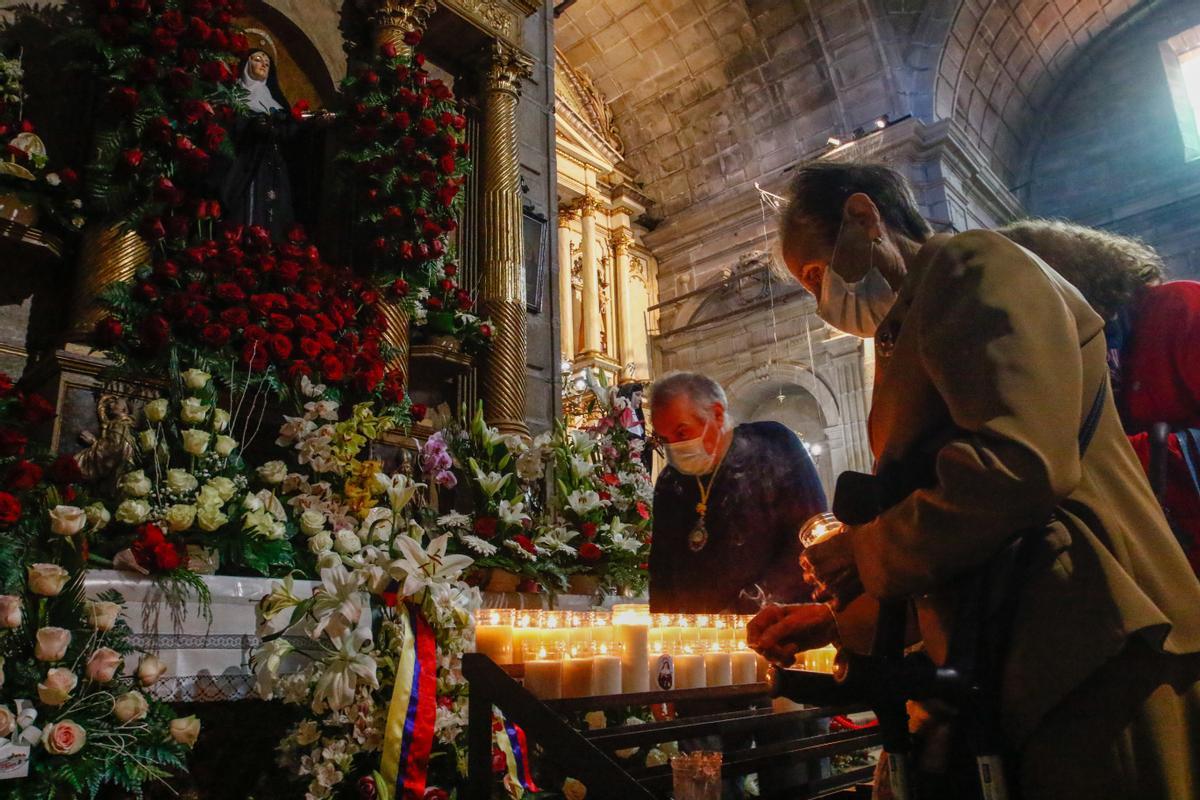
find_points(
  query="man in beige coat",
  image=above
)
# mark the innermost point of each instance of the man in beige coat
(990, 362)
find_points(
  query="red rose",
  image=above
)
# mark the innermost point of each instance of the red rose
(412, 38)
(529, 586)
(434, 303)
(167, 556)
(195, 111)
(604, 495)
(238, 43)
(446, 195)
(281, 323)
(108, 331)
(588, 529)
(281, 346)
(643, 510)
(254, 356)
(215, 335)
(332, 369)
(588, 551)
(288, 272)
(216, 71)
(125, 99)
(23, 475)
(447, 164)
(131, 159)
(198, 315)
(485, 331)
(310, 347)
(69, 176)
(485, 527)
(525, 543)
(12, 442)
(230, 293)
(36, 409)
(155, 331)
(388, 50)
(235, 317)
(427, 127)
(399, 287)
(214, 135)
(10, 510)
(162, 39)
(65, 469)
(113, 27)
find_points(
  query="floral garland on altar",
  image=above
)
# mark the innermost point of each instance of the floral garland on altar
(71, 720)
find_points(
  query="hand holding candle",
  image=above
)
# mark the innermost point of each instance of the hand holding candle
(779, 632)
(828, 560)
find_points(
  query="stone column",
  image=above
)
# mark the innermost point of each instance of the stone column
(591, 278)
(392, 19)
(566, 291)
(621, 239)
(503, 262)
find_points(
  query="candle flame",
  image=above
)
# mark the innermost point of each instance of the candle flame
(542, 653)
(603, 649)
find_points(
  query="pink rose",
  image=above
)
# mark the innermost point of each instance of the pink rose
(63, 738)
(150, 669)
(103, 665)
(102, 615)
(57, 686)
(11, 611)
(185, 730)
(52, 644)
(130, 707)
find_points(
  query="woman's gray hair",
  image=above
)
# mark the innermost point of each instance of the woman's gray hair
(702, 390)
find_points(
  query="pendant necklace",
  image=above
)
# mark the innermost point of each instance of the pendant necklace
(698, 538)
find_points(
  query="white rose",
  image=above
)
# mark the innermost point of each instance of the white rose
(67, 520)
(312, 522)
(57, 686)
(220, 420)
(347, 542)
(320, 543)
(328, 560)
(195, 441)
(135, 484)
(97, 516)
(273, 472)
(224, 487)
(150, 669)
(210, 518)
(195, 379)
(185, 730)
(148, 440)
(102, 615)
(180, 481)
(156, 410)
(225, 445)
(133, 512)
(192, 411)
(130, 707)
(47, 580)
(180, 517)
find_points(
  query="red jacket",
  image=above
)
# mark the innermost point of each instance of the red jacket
(1160, 382)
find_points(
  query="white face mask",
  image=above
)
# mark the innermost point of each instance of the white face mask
(689, 457)
(855, 308)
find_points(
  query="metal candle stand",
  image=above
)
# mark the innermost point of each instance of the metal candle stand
(744, 711)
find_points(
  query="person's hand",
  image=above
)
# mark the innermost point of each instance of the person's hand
(830, 570)
(777, 633)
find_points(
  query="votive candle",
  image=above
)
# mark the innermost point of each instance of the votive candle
(689, 669)
(744, 665)
(631, 626)
(525, 634)
(577, 672)
(718, 666)
(606, 670)
(494, 635)
(544, 674)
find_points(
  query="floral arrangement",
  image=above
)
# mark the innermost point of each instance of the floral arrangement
(70, 720)
(188, 504)
(407, 162)
(251, 311)
(167, 71)
(387, 586)
(502, 476)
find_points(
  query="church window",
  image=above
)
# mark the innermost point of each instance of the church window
(1181, 58)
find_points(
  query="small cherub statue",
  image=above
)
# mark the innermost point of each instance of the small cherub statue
(108, 454)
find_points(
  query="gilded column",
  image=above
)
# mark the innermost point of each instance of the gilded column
(625, 321)
(590, 306)
(392, 19)
(502, 261)
(566, 290)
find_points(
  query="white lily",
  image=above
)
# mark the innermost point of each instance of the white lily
(623, 537)
(582, 467)
(490, 482)
(557, 540)
(337, 602)
(420, 568)
(512, 513)
(583, 501)
(266, 661)
(350, 666)
(400, 488)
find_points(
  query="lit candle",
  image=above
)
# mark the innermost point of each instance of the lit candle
(726, 630)
(579, 629)
(689, 634)
(602, 628)
(744, 665)
(819, 528)
(606, 670)
(525, 634)
(544, 674)
(820, 659)
(718, 667)
(689, 669)
(631, 628)
(553, 630)
(577, 673)
(706, 630)
(494, 636)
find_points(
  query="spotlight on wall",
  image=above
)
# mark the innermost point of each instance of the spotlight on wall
(833, 141)
(882, 122)
(816, 449)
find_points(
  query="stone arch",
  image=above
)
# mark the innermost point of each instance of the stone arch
(784, 373)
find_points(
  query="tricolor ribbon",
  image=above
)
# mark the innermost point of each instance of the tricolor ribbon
(408, 737)
(511, 741)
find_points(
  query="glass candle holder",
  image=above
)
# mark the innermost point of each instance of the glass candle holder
(544, 671)
(606, 668)
(696, 776)
(494, 634)
(631, 629)
(819, 528)
(525, 631)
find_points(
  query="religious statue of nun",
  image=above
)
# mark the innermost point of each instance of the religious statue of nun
(256, 188)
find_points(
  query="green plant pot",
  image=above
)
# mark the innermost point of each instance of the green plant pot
(441, 323)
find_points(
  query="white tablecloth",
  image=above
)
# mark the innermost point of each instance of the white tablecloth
(206, 661)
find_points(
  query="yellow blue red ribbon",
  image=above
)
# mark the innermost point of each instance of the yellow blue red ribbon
(511, 741)
(408, 737)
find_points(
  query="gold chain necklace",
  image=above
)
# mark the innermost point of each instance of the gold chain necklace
(698, 538)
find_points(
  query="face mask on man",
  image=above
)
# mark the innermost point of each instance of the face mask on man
(689, 457)
(855, 308)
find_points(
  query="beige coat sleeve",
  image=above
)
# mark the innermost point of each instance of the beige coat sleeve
(1001, 348)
